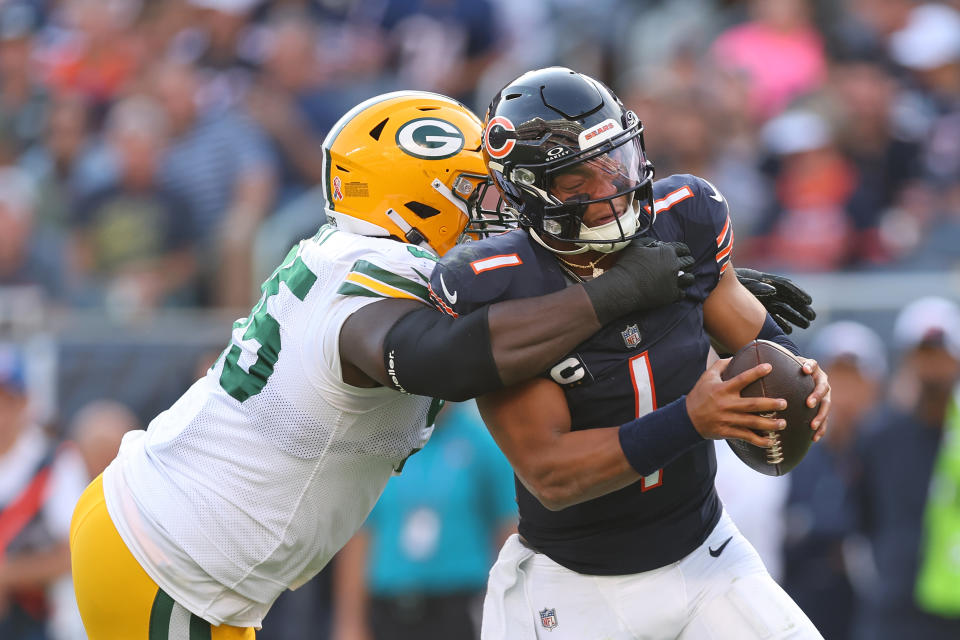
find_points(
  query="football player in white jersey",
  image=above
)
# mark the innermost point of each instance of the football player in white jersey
(268, 464)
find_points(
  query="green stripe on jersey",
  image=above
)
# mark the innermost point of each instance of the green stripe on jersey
(161, 620)
(436, 404)
(324, 233)
(390, 278)
(199, 628)
(160, 616)
(350, 289)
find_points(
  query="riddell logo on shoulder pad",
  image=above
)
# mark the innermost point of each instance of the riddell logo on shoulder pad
(603, 131)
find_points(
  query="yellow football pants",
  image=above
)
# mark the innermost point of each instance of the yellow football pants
(117, 599)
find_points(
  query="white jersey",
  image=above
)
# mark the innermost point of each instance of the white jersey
(266, 466)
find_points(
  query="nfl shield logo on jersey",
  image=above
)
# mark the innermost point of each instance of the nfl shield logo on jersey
(631, 336)
(548, 618)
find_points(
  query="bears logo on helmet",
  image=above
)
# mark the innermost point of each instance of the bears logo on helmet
(551, 125)
(499, 137)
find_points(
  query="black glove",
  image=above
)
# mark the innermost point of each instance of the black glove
(648, 274)
(785, 301)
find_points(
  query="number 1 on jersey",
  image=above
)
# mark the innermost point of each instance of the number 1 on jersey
(645, 401)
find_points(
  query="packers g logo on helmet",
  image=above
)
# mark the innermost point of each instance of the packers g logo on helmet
(405, 165)
(430, 138)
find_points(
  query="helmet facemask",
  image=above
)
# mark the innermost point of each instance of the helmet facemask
(598, 197)
(489, 213)
(571, 190)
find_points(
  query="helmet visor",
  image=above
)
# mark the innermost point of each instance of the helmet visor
(597, 189)
(599, 177)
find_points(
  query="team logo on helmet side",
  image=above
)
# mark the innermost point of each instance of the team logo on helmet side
(500, 137)
(430, 139)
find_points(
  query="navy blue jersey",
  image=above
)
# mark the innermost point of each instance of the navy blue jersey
(630, 367)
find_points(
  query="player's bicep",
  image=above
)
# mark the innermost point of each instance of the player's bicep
(525, 420)
(362, 337)
(731, 314)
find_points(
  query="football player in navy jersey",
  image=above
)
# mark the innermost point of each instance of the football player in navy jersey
(621, 532)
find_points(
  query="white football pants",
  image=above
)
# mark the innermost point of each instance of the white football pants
(729, 596)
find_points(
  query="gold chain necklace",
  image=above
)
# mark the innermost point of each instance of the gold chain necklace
(597, 271)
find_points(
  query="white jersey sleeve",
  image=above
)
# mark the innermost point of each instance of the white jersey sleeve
(398, 271)
(266, 466)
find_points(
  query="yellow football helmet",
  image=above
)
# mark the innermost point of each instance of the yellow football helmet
(404, 165)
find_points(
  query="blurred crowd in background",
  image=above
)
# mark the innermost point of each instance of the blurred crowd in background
(159, 157)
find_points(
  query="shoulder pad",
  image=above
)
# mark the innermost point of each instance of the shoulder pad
(703, 213)
(478, 273)
(390, 270)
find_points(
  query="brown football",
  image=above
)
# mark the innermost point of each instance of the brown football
(786, 381)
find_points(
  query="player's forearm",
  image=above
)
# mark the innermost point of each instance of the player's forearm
(529, 335)
(583, 465)
(428, 353)
(579, 466)
(530, 422)
(532, 426)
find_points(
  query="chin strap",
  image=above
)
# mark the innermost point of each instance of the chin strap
(539, 240)
(459, 203)
(629, 218)
(583, 247)
(411, 234)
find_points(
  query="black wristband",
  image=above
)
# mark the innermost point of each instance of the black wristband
(653, 441)
(771, 331)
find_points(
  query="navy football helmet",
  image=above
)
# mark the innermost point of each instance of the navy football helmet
(558, 144)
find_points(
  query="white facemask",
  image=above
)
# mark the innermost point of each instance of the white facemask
(629, 221)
